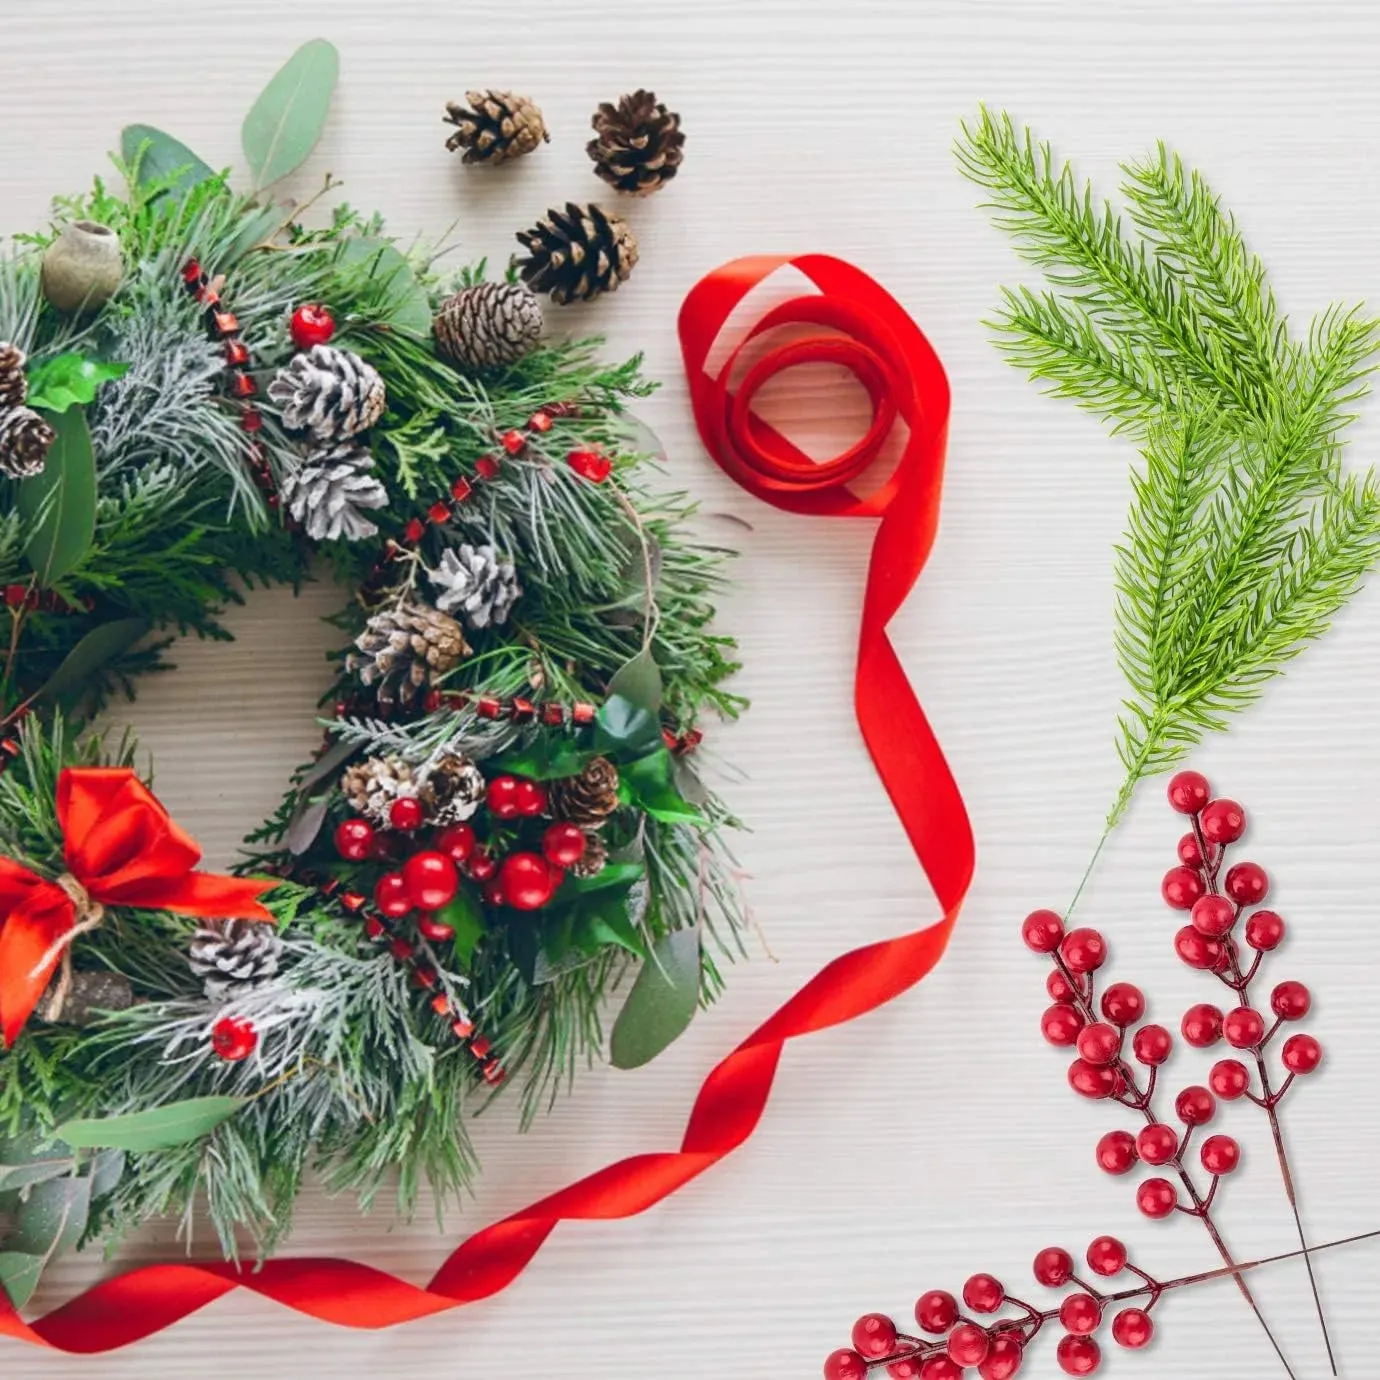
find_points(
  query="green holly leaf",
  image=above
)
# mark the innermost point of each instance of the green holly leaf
(59, 505)
(158, 156)
(286, 121)
(662, 1002)
(465, 916)
(69, 380)
(626, 730)
(548, 757)
(650, 782)
(175, 1123)
(612, 877)
(639, 682)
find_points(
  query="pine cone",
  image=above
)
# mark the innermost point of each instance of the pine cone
(14, 387)
(455, 789)
(234, 957)
(589, 798)
(405, 649)
(501, 127)
(330, 489)
(639, 146)
(476, 585)
(487, 325)
(594, 859)
(328, 392)
(577, 253)
(25, 438)
(371, 786)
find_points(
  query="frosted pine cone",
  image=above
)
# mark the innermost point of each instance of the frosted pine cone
(371, 786)
(476, 585)
(454, 789)
(329, 490)
(405, 649)
(234, 956)
(329, 393)
(25, 439)
(589, 798)
(14, 387)
(488, 324)
(501, 127)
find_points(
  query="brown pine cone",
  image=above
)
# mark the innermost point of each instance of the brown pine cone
(25, 438)
(640, 145)
(405, 649)
(577, 253)
(501, 127)
(372, 785)
(594, 859)
(14, 387)
(487, 325)
(589, 798)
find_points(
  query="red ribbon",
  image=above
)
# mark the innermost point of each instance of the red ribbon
(903, 375)
(121, 848)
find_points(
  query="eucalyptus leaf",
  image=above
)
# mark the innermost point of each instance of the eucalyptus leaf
(639, 681)
(626, 729)
(176, 1123)
(102, 644)
(106, 1172)
(69, 380)
(59, 505)
(643, 440)
(30, 1159)
(662, 1001)
(160, 156)
(20, 1274)
(405, 305)
(50, 1220)
(311, 810)
(286, 121)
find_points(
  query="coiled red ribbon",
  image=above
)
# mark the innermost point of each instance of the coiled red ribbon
(896, 364)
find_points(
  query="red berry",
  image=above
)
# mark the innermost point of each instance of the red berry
(906, 1369)
(391, 895)
(983, 1293)
(968, 1345)
(1197, 950)
(481, 865)
(1123, 1003)
(233, 1040)
(435, 930)
(401, 950)
(1042, 930)
(1133, 1328)
(1157, 1197)
(1078, 1355)
(1264, 930)
(874, 1334)
(1220, 1154)
(1080, 1313)
(1222, 821)
(1088, 1080)
(1106, 1256)
(502, 797)
(1244, 1028)
(354, 839)
(1189, 852)
(1061, 1023)
(530, 797)
(1195, 1106)
(1181, 887)
(941, 1368)
(1053, 1267)
(1188, 792)
(1084, 950)
(936, 1311)
(563, 844)
(311, 324)
(1212, 916)
(1229, 1079)
(1099, 1043)
(527, 881)
(1058, 987)
(1116, 1152)
(1157, 1143)
(493, 893)
(1202, 1025)
(1247, 884)
(406, 813)
(1004, 1358)
(1301, 1054)
(1291, 1001)
(456, 842)
(845, 1365)
(431, 880)
(1152, 1044)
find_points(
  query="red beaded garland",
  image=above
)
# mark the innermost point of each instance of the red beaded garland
(431, 880)
(936, 1311)
(354, 839)
(1247, 883)
(1229, 1079)
(1291, 1001)
(1157, 1198)
(1301, 1054)
(1042, 930)
(406, 813)
(1157, 1143)
(1222, 821)
(1152, 1044)
(1202, 1025)
(874, 1334)
(1061, 1023)
(1188, 792)
(1080, 1313)
(391, 895)
(1133, 1328)
(983, 1293)
(1181, 887)
(1106, 1256)
(233, 1040)
(311, 324)
(1053, 1267)
(1220, 1154)
(1123, 1004)
(1083, 950)
(1078, 1355)
(968, 1344)
(1116, 1152)
(526, 880)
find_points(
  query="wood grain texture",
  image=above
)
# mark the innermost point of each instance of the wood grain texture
(936, 1137)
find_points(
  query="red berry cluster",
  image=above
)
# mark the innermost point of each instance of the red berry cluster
(995, 1348)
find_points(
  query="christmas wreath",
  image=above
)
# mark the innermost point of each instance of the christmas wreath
(200, 394)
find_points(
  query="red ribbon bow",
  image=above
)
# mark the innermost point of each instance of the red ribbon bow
(121, 848)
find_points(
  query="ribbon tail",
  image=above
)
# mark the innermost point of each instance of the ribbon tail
(204, 895)
(27, 958)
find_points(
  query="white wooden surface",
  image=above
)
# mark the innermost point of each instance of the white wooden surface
(937, 1137)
